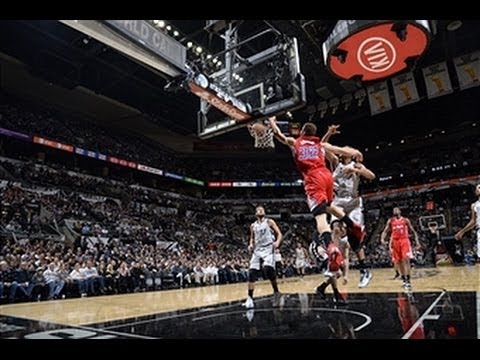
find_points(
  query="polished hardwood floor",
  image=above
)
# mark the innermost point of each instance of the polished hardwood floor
(84, 311)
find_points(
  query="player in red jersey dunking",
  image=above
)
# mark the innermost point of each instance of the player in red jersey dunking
(399, 244)
(309, 154)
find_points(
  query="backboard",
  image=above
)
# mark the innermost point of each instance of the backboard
(249, 88)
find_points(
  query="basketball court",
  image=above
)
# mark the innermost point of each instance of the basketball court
(445, 303)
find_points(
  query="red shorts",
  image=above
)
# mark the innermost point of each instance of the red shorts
(401, 249)
(319, 188)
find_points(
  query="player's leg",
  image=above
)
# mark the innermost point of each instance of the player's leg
(353, 228)
(270, 274)
(319, 201)
(396, 254)
(252, 278)
(269, 267)
(268, 256)
(397, 273)
(404, 267)
(320, 289)
(318, 247)
(404, 255)
(337, 297)
(357, 217)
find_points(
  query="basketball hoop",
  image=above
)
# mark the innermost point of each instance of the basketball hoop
(263, 135)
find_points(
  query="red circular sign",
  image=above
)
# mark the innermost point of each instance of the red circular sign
(377, 52)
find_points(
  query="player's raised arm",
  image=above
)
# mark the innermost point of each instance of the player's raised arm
(332, 130)
(344, 150)
(362, 170)
(287, 140)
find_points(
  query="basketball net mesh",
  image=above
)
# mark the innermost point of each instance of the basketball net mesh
(264, 139)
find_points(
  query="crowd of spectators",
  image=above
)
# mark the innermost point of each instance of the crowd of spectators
(65, 232)
(160, 240)
(408, 162)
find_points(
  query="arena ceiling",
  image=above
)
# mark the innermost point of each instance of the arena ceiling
(63, 56)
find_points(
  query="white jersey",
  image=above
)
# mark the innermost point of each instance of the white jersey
(262, 233)
(345, 185)
(300, 254)
(476, 208)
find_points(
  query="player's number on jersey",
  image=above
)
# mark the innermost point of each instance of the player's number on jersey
(308, 153)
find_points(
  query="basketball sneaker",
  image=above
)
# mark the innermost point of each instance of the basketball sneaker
(365, 278)
(248, 303)
(407, 285)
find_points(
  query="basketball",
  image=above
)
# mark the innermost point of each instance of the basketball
(258, 128)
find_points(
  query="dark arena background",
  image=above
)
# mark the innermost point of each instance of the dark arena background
(130, 174)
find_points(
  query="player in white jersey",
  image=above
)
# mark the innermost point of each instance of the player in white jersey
(346, 177)
(474, 221)
(265, 237)
(301, 255)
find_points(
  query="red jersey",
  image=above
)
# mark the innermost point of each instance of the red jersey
(309, 156)
(399, 228)
(335, 257)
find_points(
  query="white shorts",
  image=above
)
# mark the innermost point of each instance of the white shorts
(353, 207)
(300, 263)
(267, 253)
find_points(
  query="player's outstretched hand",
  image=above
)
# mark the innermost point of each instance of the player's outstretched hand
(333, 129)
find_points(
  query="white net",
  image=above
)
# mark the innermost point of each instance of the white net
(263, 139)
